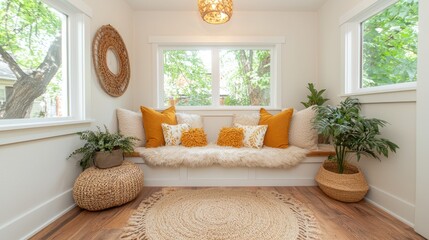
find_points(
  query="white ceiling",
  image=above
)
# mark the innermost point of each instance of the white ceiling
(239, 5)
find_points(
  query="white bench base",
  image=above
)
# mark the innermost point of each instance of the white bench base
(301, 175)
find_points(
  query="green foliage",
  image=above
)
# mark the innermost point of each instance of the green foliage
(247, 76)
(27, 28)
(352, 133)
(315, 97)
(99, 141)
(186, 78)
(389, 53)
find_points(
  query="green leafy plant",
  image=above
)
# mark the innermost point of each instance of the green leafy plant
(351, 133)
(97, 141)
(315, 97)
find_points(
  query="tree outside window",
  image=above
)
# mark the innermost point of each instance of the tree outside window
(389, 45)
(242, 77)
(31, 58)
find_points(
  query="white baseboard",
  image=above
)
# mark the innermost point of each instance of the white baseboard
(397, 207)
(31, 222)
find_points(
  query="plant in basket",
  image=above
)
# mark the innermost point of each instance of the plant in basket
(352, 135)
(102, 148)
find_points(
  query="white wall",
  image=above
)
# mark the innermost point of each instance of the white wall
(35, 177)
(299, 57)
(118, 14)
(392, 180)
(422, 196)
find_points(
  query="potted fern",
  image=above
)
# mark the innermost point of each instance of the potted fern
(352, 135)
(102, 148)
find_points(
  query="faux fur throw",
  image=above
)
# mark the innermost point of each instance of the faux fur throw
(176, 156)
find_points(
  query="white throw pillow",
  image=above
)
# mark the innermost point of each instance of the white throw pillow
(253, 135)
(301, 132)
(194, 120)
(173, 133)
(251, 119)
(130, 124)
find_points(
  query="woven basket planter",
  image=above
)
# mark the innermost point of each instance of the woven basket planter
(97, 189)
(348, 187)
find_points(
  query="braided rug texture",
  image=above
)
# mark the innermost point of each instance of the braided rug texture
(218, 213)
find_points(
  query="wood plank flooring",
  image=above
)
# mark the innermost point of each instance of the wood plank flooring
(337, 220)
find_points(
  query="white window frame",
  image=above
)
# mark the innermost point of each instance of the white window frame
(274, 44)
(78, 68)
(351, 55)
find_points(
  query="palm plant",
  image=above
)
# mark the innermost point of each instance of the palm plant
(351, 133)
(315, 97)
(101, 141)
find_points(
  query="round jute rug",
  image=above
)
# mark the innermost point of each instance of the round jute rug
(218, 213)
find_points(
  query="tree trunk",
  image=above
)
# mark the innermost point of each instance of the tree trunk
(25, 91)
(28, 87)
(255, 93)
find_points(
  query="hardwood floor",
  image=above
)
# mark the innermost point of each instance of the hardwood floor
(337, 220)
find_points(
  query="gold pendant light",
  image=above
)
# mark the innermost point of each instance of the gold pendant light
(215, 11)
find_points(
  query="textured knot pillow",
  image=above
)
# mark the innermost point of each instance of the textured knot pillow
(194, 120)
(231, 137)
(130, 124)
(302, 133)
(173, 133)
(278, 127)
(152, 121)
(194, 137)
(253, 135)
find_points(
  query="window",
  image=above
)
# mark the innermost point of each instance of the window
(381, 47)
(41, 75)
(187, 77)
(242, 77)
(218, 75)
(245, 77)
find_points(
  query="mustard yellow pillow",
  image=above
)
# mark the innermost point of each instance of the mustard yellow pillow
(152, 121)
(194, 137)
(278, 127)
(232, 137)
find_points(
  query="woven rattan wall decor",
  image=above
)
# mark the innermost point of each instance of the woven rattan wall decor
(107, 38)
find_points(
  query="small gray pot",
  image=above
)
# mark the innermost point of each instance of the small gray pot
(108, 159)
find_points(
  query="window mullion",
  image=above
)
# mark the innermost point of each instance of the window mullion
(215, 77)
(160, 88)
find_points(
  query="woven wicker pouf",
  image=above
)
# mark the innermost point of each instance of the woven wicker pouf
(96, 189)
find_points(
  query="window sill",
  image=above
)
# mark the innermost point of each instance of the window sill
(224, 108)
(15, 133)
(385, 96)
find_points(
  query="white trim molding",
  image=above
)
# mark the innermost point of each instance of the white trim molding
(422, 127)
(369, 7)
(397, 207)
(42, 131)
(399, 96)
(216, 40)
(34, 220)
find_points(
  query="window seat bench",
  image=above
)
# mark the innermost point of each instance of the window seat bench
(220, 166)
